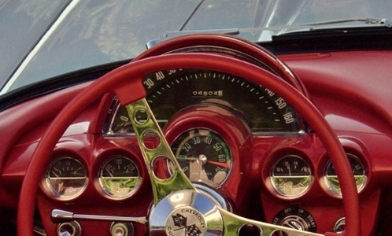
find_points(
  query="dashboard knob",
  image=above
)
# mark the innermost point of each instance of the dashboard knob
(295, 218)
(71, 228)
(339, 225)
(121, 229)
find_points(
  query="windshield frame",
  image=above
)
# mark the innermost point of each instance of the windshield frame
(52, 56)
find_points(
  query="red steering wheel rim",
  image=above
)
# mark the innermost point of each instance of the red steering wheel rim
(126, 83)
(229, 42)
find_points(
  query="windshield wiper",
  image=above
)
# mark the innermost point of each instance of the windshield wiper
(172, 34)
(327, 25)
(370, 21)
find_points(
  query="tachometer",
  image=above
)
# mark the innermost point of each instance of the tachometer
(203, 156)
(119, 177)
(66, 178)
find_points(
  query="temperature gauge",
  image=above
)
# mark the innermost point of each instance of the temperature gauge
(358, 170)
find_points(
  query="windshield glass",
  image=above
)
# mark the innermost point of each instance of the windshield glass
(45, 38)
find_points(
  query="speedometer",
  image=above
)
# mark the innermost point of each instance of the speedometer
(171, 91)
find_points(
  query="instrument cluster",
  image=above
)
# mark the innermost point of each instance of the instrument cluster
(204, 154)
(205, 158)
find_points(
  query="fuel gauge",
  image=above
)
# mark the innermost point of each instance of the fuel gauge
(66, 178)
(291, 176)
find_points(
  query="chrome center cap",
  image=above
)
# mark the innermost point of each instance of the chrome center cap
(186, 213)
(186, 221)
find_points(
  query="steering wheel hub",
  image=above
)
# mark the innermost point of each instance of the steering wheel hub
(186, 212)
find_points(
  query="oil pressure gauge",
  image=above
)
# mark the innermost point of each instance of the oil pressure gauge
(291, 176)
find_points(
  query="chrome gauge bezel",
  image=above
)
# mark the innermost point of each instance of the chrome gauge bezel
(359, 171)
(129, 168)
(65, 178)
(291, 176)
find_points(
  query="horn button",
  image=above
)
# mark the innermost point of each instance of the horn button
(185, 212)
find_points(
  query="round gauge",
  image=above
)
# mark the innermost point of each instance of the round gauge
(203, 156)
(291, 176)
(66, 178)
(359, 173)
(119, 177)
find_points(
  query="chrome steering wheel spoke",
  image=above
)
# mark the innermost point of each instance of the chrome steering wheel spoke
(153, 145)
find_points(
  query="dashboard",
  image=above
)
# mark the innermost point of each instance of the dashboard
(240, 143)
(262, 136)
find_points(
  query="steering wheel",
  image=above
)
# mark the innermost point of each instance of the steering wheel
(176, 194)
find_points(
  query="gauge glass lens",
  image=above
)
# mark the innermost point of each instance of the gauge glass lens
(203, 156)
(291, 176)
(66, 178)
(170, 91)
(358, 170)
(119, 177)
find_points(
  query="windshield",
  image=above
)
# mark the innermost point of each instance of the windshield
(45, 38)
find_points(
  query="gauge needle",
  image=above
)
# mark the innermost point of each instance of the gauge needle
(187, 158)
(221, 164)
(288, 168)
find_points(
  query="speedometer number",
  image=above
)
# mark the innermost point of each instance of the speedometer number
(149, 83)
